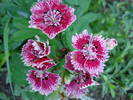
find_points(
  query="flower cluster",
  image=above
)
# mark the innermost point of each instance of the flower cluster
(35, 54)
(88, 61)
(52, 17)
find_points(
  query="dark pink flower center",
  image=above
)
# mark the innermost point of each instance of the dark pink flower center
(52, 17)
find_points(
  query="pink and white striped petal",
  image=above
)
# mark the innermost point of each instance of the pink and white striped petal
(79, 40)
(45, 65)
(68, 65)
(100, 44)
(85, 80)
(78, 60)
(94, 67)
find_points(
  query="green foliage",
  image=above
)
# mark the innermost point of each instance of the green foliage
(3, 96)
(110, 18)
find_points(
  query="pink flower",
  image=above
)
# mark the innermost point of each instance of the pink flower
(52, 17)
(111, 43)
(73, 91)
(77, 87)
(91, 54)
(35, 54)
(43, 82)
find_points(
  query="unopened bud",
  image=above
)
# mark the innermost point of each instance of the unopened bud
(111, 43)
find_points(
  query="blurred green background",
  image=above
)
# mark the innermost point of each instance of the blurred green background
(110, 18)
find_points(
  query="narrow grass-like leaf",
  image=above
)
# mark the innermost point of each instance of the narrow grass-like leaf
(5, 36)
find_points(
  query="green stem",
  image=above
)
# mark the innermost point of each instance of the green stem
(6, 51)
(59, 37)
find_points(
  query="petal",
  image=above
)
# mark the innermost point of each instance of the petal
(48, 49)
(34, 80)
(40, 8)
(45, 65)
(56, 1)
(100, 44)
(52, 31)
(94, 67)
(79, 40)
(78, 60)
(27, 53)
(68, 65)
(86, 80)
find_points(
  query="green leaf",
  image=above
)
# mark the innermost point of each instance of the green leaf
(128, 66)
(85, 20)
(18, 69)
(3, 96)
(2, 60)
(24, 34)
(55, 48)
(105, 78)
(67, 38)
(53, 96)
(6, 49)
(104, 89)
(33, 96)
(17, 90)
(112, 90)
(20, 23)
(72, 2)
(83, 7)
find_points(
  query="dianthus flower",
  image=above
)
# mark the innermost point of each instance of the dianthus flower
(43, 82)
(52, 17)
(35, 54)
(78, 86)
(73, 91)
(91, 53)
